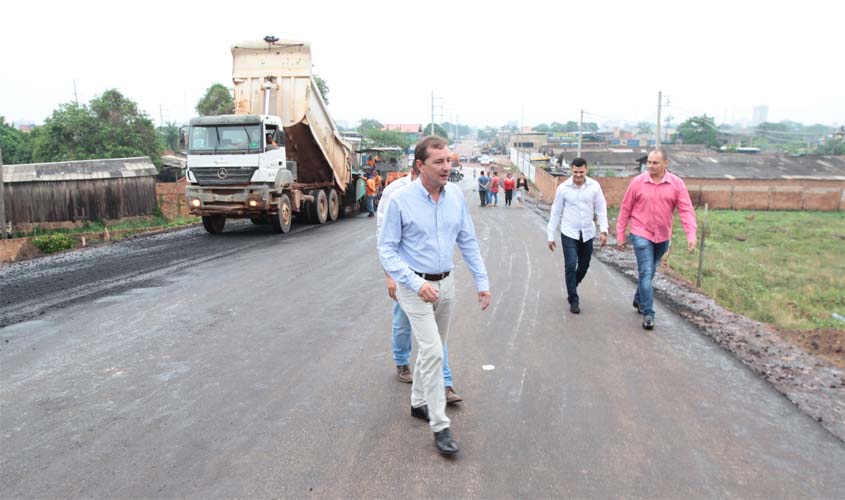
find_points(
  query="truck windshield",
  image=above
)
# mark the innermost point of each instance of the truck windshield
(208, 139)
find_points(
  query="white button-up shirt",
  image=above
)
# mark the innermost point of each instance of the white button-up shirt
(575, 208)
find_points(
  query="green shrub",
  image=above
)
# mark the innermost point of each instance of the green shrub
(53, 243)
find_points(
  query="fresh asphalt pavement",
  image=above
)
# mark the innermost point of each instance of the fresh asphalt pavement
(263, 368)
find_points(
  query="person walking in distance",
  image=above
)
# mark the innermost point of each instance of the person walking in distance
(509, 184)
(495, 184)
(371, 194)
(483, 184)
(649, 205)
(521, 189)
(423, 222)
(578, 200)
(401, 325)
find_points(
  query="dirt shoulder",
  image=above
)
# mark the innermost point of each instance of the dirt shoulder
(806, 367)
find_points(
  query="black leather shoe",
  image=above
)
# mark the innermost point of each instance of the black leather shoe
(637, 307)
(420, 412)
(444, 442)
(648, 322)
(574, 309)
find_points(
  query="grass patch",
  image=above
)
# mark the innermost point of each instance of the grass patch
(98, 226)
(783, 268)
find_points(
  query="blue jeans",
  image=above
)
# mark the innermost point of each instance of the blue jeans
(648, 255)
(483, 194)
(576, 260)
(494, 197)
(370, 207)
(402, 342)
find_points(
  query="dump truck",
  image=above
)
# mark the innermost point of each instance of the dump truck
(280, 155)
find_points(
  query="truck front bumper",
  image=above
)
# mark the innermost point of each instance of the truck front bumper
(243, 201)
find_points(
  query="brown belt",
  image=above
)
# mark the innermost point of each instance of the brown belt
(432, 277)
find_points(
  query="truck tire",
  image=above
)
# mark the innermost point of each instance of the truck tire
(214, 223)
(281, 221)
(319, 207)
(334, 205)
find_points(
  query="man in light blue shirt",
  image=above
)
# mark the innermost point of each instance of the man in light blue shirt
(401, 325)
(578, 201)
(424, 221)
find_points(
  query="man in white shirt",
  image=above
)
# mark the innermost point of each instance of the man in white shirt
(578, 202)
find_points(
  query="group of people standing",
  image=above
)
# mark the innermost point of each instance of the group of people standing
(489, 186)
(422, 217)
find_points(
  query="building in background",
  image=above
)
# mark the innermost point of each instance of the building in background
(761, 115)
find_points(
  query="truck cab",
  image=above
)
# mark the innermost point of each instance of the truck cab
(235, 149)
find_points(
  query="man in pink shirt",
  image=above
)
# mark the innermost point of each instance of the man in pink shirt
(649, 205)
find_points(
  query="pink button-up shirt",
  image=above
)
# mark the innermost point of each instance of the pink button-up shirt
(650, 208)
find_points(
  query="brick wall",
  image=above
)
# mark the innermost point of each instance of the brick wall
(171, 198)
(736, 194)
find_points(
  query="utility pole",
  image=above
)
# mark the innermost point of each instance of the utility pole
(75, 96)
(431, 132)
(666, 129)
(580, 120)
(659, 104)
(2, 201)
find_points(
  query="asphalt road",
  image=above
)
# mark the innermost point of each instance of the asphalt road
(253, 365)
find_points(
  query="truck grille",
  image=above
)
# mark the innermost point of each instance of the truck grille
(223, 176)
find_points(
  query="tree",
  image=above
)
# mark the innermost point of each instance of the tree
(438, 130)
(833, 146)
(699, 130)
(487, 134)
(16, 145)
(367, 125)
(169, 135)
(542, 128)
(388, 138)
(323, 87)
(111, 126)
(645, 128)
(216, 101)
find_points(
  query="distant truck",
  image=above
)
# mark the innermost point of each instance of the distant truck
(280, 155)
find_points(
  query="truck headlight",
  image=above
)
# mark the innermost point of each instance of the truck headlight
(195, 202)
(252, 203)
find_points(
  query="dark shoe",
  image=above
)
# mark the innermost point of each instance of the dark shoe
(638, 307)
(574, 309)
(371, 215)
(404, 374)
(444, 442)
(420, 412)
(452, 397)
(648, 322)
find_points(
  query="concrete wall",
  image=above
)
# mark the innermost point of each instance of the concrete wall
(735, 194)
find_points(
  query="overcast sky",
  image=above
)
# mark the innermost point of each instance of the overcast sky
(486, 62)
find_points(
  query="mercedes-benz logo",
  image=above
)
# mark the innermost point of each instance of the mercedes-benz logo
(222, 173)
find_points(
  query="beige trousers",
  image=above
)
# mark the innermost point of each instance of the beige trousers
(430, 324)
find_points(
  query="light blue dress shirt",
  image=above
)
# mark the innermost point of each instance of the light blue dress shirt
(419, 234)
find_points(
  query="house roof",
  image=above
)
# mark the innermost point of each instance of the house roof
(405, 128)
(80, 170)
(717, 165)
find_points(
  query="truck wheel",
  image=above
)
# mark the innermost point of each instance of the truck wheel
(334, 205)
(214, 223)
(319, 207)
(281, 221)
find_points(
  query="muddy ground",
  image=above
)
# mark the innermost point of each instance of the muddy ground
(806, 367)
